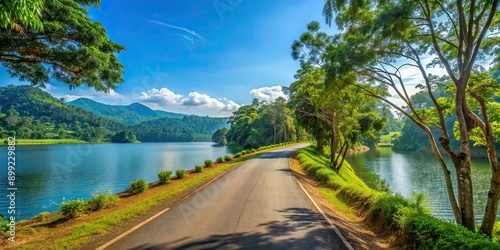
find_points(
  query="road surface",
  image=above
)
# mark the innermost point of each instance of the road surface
(258, 205)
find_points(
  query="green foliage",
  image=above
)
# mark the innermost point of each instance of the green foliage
(237, 155)
(253, 126)
(188, 129)
(4, 224)
(132, 114)
(427, 232)
(228, 157)
(407, 219)
(41, 216)
(198, 168)
(221, 159)
(20, 15)
(101, 201)
(138, 186)
(72, 208)
(34, 114)
(209, 163)
(180, 173)
(219, 136)
(71, 48)
(164, 176)
(125, 136)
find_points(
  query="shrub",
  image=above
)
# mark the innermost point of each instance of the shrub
(164, 176)
(180, 173)
(253, 150)
(70, 209)
(228, 157)
(101, 201)
(209, 163)
(138, 186)
(198, 168)
(237, 155)
(39, 217)
(244, 152)
(221, 159)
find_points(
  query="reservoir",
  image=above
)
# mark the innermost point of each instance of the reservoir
(48, 174)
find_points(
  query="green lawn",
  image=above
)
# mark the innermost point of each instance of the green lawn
(47, 141)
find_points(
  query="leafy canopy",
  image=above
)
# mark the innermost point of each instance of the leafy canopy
(71, 49)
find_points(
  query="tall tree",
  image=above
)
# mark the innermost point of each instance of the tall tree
(71, 48)
(384, 37)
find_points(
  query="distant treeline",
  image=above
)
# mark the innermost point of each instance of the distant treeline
(30, 113)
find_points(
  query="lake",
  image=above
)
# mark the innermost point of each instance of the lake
(47, 174)
(407, 172)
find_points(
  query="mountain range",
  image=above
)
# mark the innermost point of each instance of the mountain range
(132, 114)
(28, 112)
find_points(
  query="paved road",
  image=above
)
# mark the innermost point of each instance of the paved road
(258, 205)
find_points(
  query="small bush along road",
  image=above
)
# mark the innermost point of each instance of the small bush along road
(257, 205)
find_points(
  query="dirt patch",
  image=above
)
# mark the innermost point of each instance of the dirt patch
(357, 232)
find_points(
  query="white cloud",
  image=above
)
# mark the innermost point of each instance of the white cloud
(69, 98)
(200, 103)
(191, 35)
(269, 94)
(92, 94)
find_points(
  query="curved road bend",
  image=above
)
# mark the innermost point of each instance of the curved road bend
(258, 205)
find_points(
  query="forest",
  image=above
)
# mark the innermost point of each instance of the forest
(28, 112)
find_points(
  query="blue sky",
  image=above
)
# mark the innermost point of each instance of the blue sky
(203, 57)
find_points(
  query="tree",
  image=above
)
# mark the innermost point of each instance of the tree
(384, 37)
(219, 136)
(15, 14)
(125, 136)
(71, 48)
(335, 105)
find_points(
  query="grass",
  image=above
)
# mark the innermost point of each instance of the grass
(386, 140)
(79, 234)
(407, 220)
(48, 141)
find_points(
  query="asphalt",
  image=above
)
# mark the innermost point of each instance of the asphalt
(258, 205)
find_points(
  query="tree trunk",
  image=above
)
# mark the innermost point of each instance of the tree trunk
(464, 181)
(338, 155)
(334, 142)
(343, 158)
(490, 213)
(446, 173)
(319, 145)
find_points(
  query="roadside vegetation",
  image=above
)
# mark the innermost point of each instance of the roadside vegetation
(79, 219)
(406, 219)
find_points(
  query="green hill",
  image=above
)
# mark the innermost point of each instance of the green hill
(189, 128)
(31, 113)
(28, 112)
(132, 114)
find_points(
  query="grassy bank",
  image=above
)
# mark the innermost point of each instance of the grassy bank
(406, 219)
(54, 231)
(386, 140)
(47, 141)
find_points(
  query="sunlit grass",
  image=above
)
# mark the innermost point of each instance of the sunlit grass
(48, 141)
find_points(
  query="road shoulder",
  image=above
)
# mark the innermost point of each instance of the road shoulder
(355, 230)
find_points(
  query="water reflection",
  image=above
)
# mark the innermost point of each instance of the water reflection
(407, 172)
(45, 174)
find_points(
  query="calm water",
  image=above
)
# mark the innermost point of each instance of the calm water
(407, 172)
(47, 174)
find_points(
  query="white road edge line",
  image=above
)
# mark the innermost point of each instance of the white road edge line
(132, 229)
(121, 236)
(339, 234)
